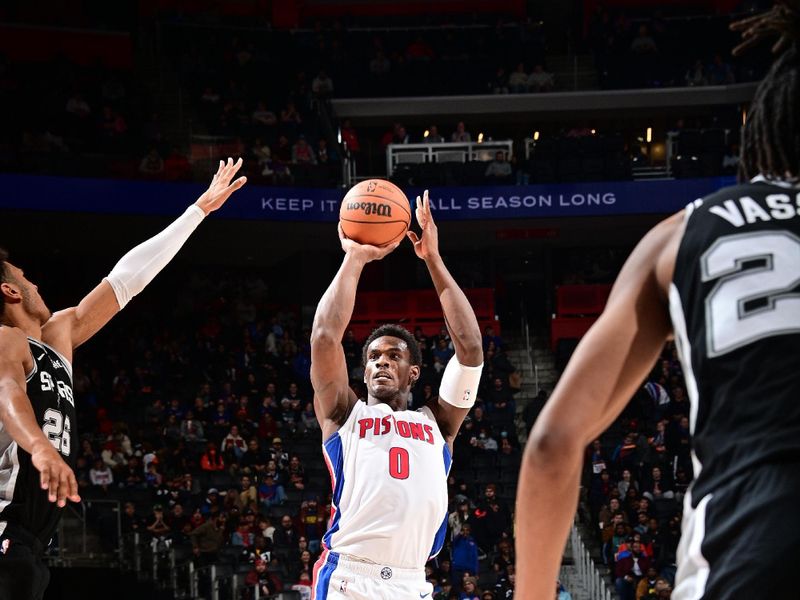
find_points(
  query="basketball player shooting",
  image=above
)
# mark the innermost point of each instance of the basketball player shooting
(388, 464)
(723, 278)
(37, 408)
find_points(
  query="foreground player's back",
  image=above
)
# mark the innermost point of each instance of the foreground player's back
(735, 306)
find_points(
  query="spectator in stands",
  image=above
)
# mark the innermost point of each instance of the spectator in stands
(380, 66)
(631, 566)
(720, 72)
(261, 578)
(101, 476)
(490, 337)
(434, 137)
(561, 592)
(419, 51)
(350, 137)
(132, 476)
(499, 85)
(152, 165)
(499, 170)
(518, 80)
(269, 492)
(285, 535)
(248, 496)
(696, 75)
(153, 479)
(130, 521)
(500, 398)
(176, 166)
(322, 85)
(158, 528)
(470, 589)
(657, 486)
(325, 154)
(211, 460)
(464, 554)
(461, 134)
(208, 539)
(302, 153)
(644, 43)
(233, 443)
(192, 429)
(540, 80)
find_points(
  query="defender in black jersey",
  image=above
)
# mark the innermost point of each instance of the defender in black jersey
(37, 408)
(723, 277)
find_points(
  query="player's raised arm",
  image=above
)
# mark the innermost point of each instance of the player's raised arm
(608, 366)
(70, 328)
(18, 420)
(463, 372)
(333, 397)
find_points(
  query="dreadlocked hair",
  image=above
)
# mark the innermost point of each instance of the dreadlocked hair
(771, 136)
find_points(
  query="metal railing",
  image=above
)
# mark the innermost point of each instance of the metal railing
(445, 152)
(587, 575)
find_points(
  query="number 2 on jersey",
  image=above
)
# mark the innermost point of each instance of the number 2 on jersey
(730, 323)
(398, 463)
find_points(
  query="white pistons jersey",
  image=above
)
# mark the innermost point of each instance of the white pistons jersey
(389, 474)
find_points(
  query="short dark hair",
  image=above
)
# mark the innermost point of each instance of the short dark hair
(3, 276)
(397, 331)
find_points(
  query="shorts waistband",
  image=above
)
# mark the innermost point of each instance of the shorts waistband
(19, 534)
(374, 570)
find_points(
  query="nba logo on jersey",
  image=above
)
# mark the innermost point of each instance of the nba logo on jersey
(343, 586)
(386, 573)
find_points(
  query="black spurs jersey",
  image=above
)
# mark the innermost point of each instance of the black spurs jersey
(735, 307)
(22, 501)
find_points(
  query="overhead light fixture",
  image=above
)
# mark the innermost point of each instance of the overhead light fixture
(535, 136)
(649, 134)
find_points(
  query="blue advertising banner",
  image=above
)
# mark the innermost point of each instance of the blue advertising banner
(107, 196)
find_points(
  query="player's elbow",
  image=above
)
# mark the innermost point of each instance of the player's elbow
(324, 337)
(552, 449)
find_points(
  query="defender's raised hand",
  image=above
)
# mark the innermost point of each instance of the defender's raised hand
(221, 187)
(428, 245)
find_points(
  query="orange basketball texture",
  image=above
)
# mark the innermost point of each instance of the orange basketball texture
(375, 212)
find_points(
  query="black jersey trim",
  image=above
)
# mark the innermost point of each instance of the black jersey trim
(34, 370)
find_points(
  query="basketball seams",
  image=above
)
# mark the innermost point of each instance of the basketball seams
(406, 209)
(372, 222)
(402, 231)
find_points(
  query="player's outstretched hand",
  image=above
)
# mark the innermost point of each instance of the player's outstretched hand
(221, 187)
(426, 246)
(55, 475)
(364, 252)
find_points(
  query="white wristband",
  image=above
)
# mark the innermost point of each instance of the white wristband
(139, 266)
(459, 385)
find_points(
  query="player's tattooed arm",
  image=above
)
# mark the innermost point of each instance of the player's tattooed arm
(333, 397)
(607, 368)
(70, 328)
(18, 419)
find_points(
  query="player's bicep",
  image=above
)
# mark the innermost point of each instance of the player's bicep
(329, 378)
(92, 313)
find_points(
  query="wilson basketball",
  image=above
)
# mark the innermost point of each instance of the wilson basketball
(375, 212)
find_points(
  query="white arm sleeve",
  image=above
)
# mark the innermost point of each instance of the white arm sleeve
(459, 385)
(139, 266)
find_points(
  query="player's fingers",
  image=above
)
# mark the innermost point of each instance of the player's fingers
(745, 23)
(63, 489)
(44, 479)
(52, 495)
(237, 165)
(238, 183)
(72, 488)
(413, 237)
(342, 236)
